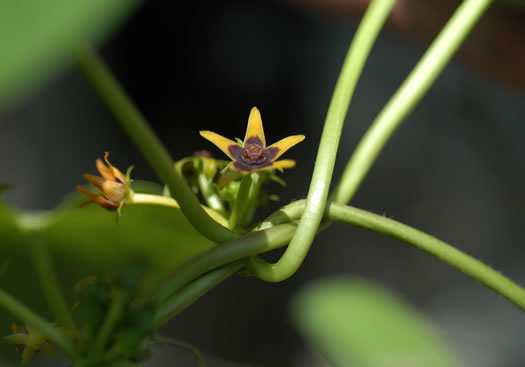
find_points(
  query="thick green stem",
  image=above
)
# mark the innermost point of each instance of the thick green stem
(407, 96)
(435, 247)
(248, 245)
(239, 206)
(49, 283)
(280, 229)
(195, 290)
(135, 125)
(19, 310)
(294, 255)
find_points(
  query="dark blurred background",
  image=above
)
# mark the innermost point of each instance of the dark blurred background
(455, 168)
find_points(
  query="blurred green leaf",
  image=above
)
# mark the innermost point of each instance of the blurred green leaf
(356, 323)
(37, 36)
(88, 241)
(90, 237)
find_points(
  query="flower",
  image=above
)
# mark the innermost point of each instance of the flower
(252, 154)
(113, 184)
(30, 342)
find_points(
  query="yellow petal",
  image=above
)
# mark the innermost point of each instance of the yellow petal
(220, 141)
(255, 127)
(285, 163)
(284, 144)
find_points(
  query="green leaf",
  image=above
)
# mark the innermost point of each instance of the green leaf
(89, 241)
(357, 323)
(37, 37)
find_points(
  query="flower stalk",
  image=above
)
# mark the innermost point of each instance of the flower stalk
(240, 204)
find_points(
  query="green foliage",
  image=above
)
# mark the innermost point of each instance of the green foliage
(356, 323)
(89, 239)
(36, 36)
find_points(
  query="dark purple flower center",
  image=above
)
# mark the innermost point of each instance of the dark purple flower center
(253, 154)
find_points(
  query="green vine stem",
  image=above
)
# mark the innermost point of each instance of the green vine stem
(49, 283)
(21, 311)
(194, 290)
(407, 96)
(433, 246)
(279, 231)
(132, 121)
(425, 242)
(373, 20)
(248, 245)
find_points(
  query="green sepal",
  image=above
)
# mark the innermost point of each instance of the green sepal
(280, 181)
(128, 174)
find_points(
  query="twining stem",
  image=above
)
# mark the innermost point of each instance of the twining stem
(49, 283)
(239, 205)
(248, 245)
(135, 125)
(150, 199)
(279, 231)
(194, 290)
(407, 96)
(21, 311)
(373, 20)
(425, 242)
(435, 247)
